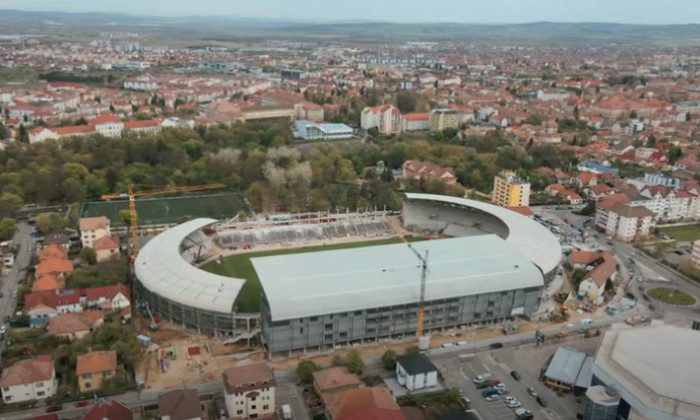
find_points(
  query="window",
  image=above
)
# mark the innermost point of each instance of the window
(328, 337)
(329, 327)
(87, 385)
(313, 318)
(87, 376)
(239, 412)
(6, 389)
(343, 335)
(301, 330)
(39, 384)
(40, 394)
(252, 398)
(266, 407)
(253, 407)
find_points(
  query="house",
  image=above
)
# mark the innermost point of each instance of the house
(335, 379)
(667, 204)
(58, 267)
(386, 118)
(180, 404)
(249, 391)
(108, 410)
(565, 194)
(617, 218)
(92, 229)
(374, 403)
(600, 267)
(75, 325)
(53, 251)
(29, 380)
(106, 248)
(415, 371)
(420, 171)
(48, 283)
(42, 305)
(108, 125)
(598, 191)
(95, 367)
(59, 239)
(499, 121)
(109, 298)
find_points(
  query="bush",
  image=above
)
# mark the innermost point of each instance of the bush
(305, 371)
(389, 359)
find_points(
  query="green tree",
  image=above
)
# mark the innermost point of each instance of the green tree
(674, 153)
(124, 216)
(609, 285)
(406, 102)
(7, 228)
(389, 359)
(89, 255)
(634, 115)
(4, 132)
(305, 371)
(49, 222)
(10, 203)
(355, 364)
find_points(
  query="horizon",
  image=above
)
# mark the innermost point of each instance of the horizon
(641, 12)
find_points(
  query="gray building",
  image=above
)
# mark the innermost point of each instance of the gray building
(601, 403)
(323, 299)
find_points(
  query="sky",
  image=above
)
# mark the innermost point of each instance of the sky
(416, 11)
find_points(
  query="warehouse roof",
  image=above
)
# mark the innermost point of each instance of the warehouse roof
(161, 269)
(325, 282)
(524, 233)
(570, 366)
(654, 368)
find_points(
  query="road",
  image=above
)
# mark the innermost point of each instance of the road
(18, 272)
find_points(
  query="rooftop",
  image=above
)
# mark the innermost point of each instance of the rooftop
(325, 282)
(180, 404)
(415, 364)
(27, 372)
(568, 365)
(96, 362)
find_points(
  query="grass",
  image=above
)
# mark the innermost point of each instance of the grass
(239, 266)
(687, 233)
(164, 210)
(671, 296)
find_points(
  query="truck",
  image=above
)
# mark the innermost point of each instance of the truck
(286, 412)
(484, 377)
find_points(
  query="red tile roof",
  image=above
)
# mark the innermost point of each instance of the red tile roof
(54, 266)
(27, 372)
(105, 242)
(108, 292)
(357, 402)
(94, 223)
(105, 119)
(140, 124)
(112, 410)
(335, 377)
(240, 378)
(524, 210)
(96, 362)
(50, 299)
(76, 129)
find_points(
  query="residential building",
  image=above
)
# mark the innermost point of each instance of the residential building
(309, 111)
(564, 194)
(48, 283)
(249, 391)
(695, 259)
(29, 380)
(661, 179)
(600, 267)
(623, 221)
(596, 168)
(417, 121)
(374, 403)
(667, 204)
(106, 248)
(95, 367)
(108, 298)
(58, 267)
(499, 121)
(422, 171)
(510, 191)
(92, 229)
(386, 118)
(524, 211)
(75, 325)
(335, 379)
(53, 251)
(108, 125)
(416, 371)
(309, 130)
(43, 305)
(441, 119)
(180, 404)
(108, 410)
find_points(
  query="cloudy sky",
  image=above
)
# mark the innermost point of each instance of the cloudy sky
(467, 11)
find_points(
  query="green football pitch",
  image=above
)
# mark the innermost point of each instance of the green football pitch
(239, 266)
(166, 210)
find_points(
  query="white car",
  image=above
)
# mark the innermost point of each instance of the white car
(513, 404)
(500, 386)
(3, 329)
(508, 399)
(493, 398)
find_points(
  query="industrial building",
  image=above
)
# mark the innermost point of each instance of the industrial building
(323, 299)
(653, 369)
(309, 130)
(569, 370)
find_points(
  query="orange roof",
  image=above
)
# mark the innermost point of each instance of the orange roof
(75, 129)
(105, 242)
(94, 223)
(96, 362)
(524, 210)
(105, 119)
(584, 257)
(335, 377)
(356, 401)
(417, 116)
(54, 266)
(53, 251)
(27, 372)
(47, 283)
(74, 322)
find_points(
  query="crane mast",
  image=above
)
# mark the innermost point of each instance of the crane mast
(421, 299)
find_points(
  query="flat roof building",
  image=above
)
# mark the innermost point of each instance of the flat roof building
(322, 299)
(569, 369)
(309, 130)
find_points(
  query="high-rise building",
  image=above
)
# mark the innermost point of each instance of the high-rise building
(441, 119)
(510, 191)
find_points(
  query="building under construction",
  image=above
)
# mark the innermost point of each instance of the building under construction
(323, 299)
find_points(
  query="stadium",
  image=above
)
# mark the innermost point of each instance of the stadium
(487, 264)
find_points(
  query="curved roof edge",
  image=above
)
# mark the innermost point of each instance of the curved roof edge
(546, 253)
(161, 269)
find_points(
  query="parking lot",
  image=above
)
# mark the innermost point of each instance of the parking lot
(526, 360)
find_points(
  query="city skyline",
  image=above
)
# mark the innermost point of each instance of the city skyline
(412, 11)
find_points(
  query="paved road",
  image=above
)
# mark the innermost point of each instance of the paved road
(17, 272)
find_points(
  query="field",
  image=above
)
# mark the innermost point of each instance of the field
(165, 210)
(688, 233)
(239, 266)
(672, 296)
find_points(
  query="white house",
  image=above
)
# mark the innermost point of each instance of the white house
(29, 380)
(249, 391)
(92, 229)
(415, 371)
(386, 118)
(114, 297)
(108, 125)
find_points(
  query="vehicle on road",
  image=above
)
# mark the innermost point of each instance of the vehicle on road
(531, 391)
(500, 386)
(82, 403)
(506, 399)
(3, 329)
(513, 404)
(447, 345)
(493, 398)
(541, 401)
(461, 343)
(461, 391)
(496, 345)
(286, 412)
(562, 334)
(54, 408)
(515, 375)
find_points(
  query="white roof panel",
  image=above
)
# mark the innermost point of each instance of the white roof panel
(301, 285)
(526, 235)
(161, 269)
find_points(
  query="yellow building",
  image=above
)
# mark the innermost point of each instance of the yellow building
(95, 367)
(510, 191)
(441, 119)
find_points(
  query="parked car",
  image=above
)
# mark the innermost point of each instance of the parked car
(523, 414)
(496, 345)
(3, 329)
(541, 401)
(502, 391)
(489, 391)
(82, 403)
(515, 375)
(465, 401)
(493, 398)
(482, 385)
(513, 404)
(54, 408)
(494, 382)
(506, 399)
(531, 391)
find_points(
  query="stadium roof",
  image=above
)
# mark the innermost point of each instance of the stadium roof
(161, 269)
(568, 365)
(326, 282)
(654, 368)
(525, 235)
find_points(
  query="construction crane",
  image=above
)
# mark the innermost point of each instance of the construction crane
(423, 274)
(133, 218)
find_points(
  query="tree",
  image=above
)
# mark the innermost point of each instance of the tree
(609, 285)
(355, 364)
(4, 133)
(634, 115)
(89, 255)
(406, 102)
(674, 153)
(124, 216)
(389, 359)
(305, 371)
(7, 228)
(23, 134)
(49, 222)
(10, 203)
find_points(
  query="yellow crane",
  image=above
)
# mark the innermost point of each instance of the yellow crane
(131, 195)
